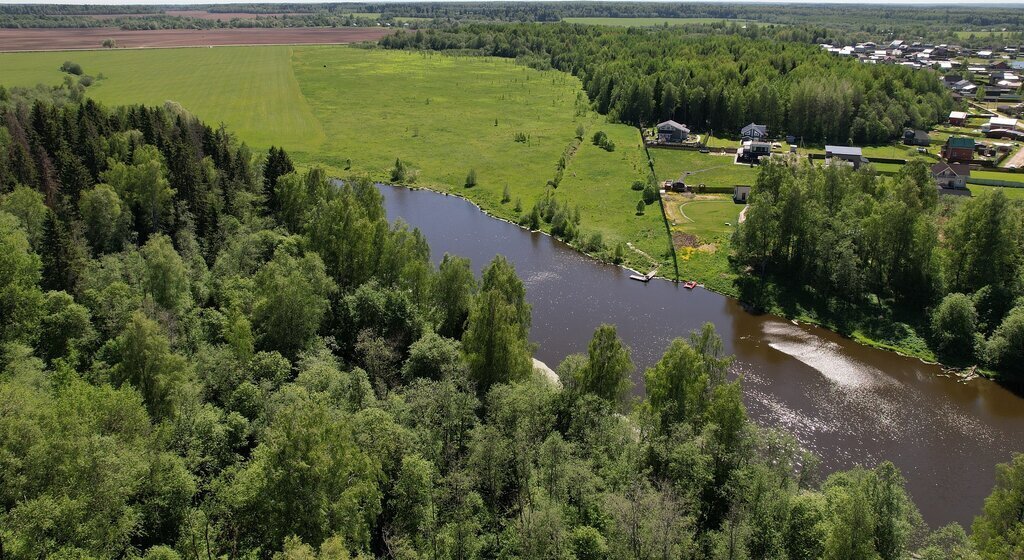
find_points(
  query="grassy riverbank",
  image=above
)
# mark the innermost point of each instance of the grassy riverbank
(357, 110)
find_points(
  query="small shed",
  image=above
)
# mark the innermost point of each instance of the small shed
(957, 118)
(671, 131)
(846, 154)
(740, 194)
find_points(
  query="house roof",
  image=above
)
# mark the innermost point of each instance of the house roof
(763, 129)
(844, 151)
(1002, 121)
(918, 134)
(960, 142)
(957, 115)
(958, 169)
(673, 124)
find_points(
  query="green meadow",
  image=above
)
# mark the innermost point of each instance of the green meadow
(714, 170)
(357, 110)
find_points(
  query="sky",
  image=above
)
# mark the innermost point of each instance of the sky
(965, 3)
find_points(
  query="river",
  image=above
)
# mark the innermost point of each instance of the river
(848, 403)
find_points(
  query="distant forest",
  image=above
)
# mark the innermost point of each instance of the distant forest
(713, 82)
(833, 23)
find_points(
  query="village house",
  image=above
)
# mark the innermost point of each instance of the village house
(846, 155)
(957, 118)
(754, 132)
(913, 137)
(958, 149)
(671, 131)
(751, 151)
(951, 175)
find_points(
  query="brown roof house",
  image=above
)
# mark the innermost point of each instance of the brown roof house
(951, 177)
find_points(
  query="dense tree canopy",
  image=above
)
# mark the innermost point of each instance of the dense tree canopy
(214, 377)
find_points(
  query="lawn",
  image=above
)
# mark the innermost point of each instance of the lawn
(355, 110)
(713, 170)
(1013, 193)
(702, 228)
(998, 176)
(646, 21)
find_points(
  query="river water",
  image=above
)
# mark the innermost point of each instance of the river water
(848, 403)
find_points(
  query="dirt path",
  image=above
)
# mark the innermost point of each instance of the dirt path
(1016, 160)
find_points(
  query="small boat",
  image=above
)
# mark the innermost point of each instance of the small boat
(690, 285)
(640, 278)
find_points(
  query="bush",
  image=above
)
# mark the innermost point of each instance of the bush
(471, 178)
(520, 137)
(638, 185)
(86, 80)
(71, 68)
(593, 243)
(640, 207)
(600, 138)
(506, 195)
(1005, 349)
(954, 322)
(650, 193)
(398, 172)
(109, 44)
(580, 131)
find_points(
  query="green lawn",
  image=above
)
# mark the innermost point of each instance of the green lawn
(344, 107)
(710, 219)
(646, 22)
(714, 170)
(1013, 193)
(998, 176)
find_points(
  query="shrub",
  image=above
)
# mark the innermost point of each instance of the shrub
(471, 178)
(600, 138)
(398, 171)
(640, 207)
(109, 44)
(71, 68)
(1005, 349)
(593, 243)
(506, 195)
(650, 193)
(954, 323)
(638, 185)
(86, 80)
(520, 137)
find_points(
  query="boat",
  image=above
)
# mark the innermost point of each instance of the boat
(690, 285)
(639, 278)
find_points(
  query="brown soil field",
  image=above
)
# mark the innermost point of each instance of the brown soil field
(92, 38)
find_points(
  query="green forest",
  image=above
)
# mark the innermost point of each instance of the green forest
(713, 82)
(868, 246)
(207, 354)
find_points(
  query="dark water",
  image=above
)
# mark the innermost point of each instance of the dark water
(848, 403)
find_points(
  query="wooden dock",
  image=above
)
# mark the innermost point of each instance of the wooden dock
(644, 278)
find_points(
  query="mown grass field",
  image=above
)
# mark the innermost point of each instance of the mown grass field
(714, 170)
(355, 110)
(646, 22)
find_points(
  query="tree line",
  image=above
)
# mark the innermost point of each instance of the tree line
(862, 242)
(713, 81)
(208, 353)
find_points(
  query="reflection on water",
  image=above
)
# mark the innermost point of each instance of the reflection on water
(848, 403)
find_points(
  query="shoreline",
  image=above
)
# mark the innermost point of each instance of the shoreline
(982, 374)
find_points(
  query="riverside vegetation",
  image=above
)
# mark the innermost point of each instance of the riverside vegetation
(206, 353)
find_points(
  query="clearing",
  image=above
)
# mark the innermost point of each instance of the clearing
(702, 227)
(356, 110)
